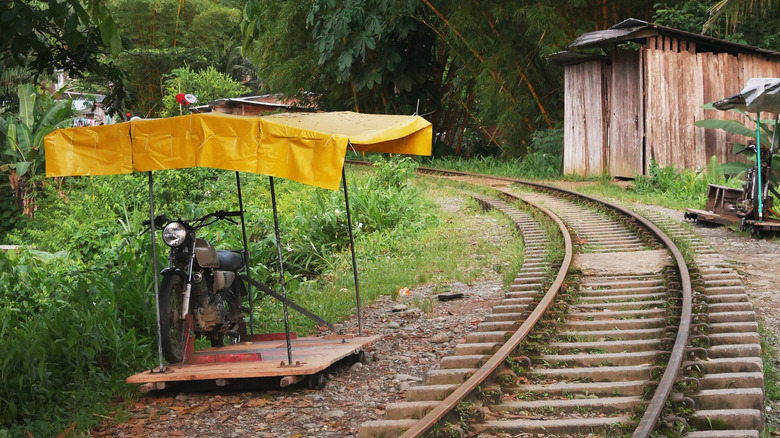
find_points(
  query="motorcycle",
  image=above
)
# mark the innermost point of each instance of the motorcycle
(199, 281)
(747, 207)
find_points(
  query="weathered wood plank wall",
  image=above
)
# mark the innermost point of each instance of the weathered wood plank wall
(625, 116)
(584, 126)
(603, 101)
(678, 82)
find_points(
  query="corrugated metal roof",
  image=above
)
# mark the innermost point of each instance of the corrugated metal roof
(760, 94)
(633, 29)
(573, 58)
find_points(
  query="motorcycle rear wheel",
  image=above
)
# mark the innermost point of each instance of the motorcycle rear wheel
(232, 305)
(173, 333)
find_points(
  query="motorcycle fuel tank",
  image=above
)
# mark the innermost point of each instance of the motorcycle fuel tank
(205, 254)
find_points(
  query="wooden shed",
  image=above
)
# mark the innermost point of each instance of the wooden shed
(639, 100)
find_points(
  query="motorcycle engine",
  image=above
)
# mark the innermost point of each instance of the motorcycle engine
(209, 316)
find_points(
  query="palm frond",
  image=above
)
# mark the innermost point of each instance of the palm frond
(730, 12)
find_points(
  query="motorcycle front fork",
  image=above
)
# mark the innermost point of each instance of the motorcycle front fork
(188, 289)
(186, 300)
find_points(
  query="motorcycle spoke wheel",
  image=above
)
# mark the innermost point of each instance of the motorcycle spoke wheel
(172, 328)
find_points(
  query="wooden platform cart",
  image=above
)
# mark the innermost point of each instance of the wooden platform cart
(752, 206)
(305, 147)
(262, 356)
(721, 206)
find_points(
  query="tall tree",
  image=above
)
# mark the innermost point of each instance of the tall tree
(476, 67)
(73, 35)
(169, 34)
(744, 21)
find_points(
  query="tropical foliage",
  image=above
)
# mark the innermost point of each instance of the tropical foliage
(744, 21)
(164, 35)
(75, 315)
(767, 137)
(72, 35)
(208, 85)
(475, 69)
(732, 11)
(22, 152)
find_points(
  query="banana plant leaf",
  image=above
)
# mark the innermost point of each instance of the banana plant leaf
(733, 127)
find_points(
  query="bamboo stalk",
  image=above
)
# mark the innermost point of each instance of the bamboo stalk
(545, 114)
(479, 123)
(176, 29)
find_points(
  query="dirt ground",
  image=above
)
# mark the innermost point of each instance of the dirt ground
(414, 339)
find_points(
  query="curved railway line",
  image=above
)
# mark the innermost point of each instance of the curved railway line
(612, 335)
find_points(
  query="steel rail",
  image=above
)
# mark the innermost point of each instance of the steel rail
(666, 384)
(470, 385)
(674, 365)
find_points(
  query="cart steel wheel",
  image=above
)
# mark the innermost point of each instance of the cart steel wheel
(171, 322)
(316, 381)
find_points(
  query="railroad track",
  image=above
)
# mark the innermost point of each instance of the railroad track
(621, 338)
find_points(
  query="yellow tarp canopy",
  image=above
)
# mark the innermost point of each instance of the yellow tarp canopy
(304, 147)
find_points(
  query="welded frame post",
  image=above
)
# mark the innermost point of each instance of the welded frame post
(154, 271)
(774, 135)
(352, 248)
(281, 272)
(246, 254)
(758, 164)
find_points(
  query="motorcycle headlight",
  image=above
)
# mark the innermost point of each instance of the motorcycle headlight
(174, 234)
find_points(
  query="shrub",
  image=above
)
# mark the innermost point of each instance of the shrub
(686, 186)
(207, 85)
(79, 342)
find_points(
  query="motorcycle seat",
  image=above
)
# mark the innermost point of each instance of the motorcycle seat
(229, 260)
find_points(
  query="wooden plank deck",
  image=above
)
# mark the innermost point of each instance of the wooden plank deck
(310, 356)
(712, 217)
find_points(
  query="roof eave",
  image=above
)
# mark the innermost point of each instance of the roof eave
(640, 30)
(567, 58)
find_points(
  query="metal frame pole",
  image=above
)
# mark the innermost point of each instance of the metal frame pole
(352, 248)
(246, 254)
(154, 271)
(758, 163)
(281, 271)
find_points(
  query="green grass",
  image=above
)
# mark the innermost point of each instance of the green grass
(388, 262)
(664, 186)
(611, 190)
(771, 372)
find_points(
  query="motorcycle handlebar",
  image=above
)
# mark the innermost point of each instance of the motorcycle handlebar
(160, 219)
(222, 214)
(748, 147)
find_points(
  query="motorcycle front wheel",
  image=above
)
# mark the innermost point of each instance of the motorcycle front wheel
(173, 334)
